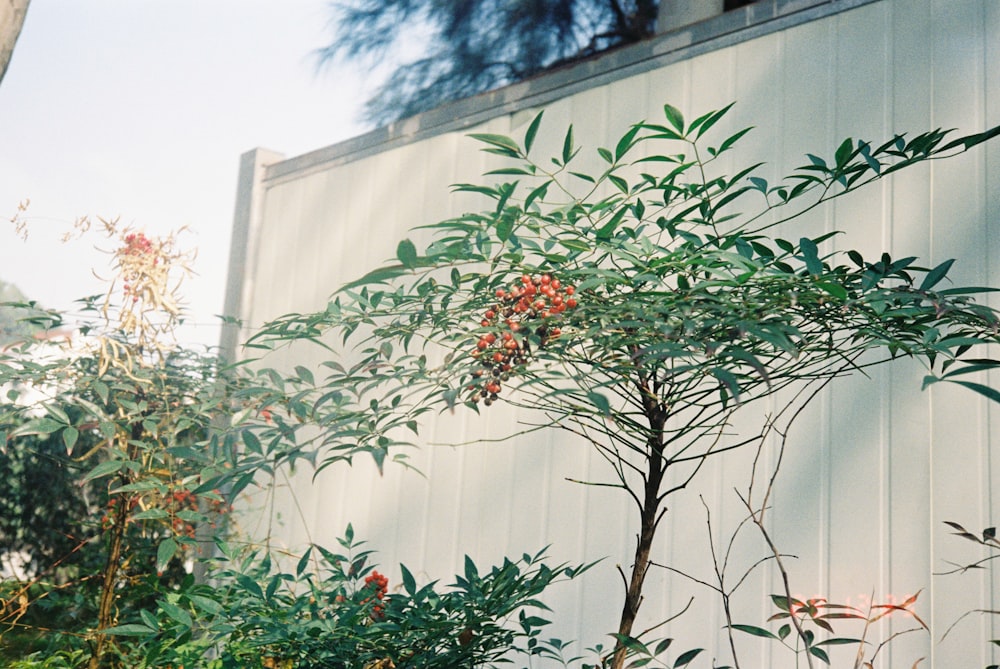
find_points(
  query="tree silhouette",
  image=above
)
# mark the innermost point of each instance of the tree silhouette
(471, 46)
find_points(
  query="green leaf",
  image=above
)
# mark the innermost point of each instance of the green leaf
(574, 244)
(985, 391)
(149, 619)
(303, 562)
(970, 141)
(407, 253)
(69, 437)
(177, 613)
(409, 583)
(619, 183)
(730, 141)
(529, 136)
(379, 275)
(708, 120)
(674, 117)
(631, 643)
(206, 604)
(662, 645)
(626, 142)
(810, 254)
(164, 553)
(504, 146)
(505, 227)
(820, 653)
(935, 275)
(729, 383)
(129, 630)
(536, 194)
(104, 469)
(844, 152)
(840, 641)
(686, 657)
(471, 573)
(834, 289)
(781, 602)
(755, 631)
(817, 161)
(305, 374)
(567, 151)
(599, 401)
(607, 230)
(866, 153)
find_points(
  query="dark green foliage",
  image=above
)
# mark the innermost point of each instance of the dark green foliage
(45, 513)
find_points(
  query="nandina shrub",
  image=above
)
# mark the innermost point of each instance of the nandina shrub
(686, 308)
(143, 422)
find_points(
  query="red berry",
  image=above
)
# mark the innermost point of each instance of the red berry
(570, 290)
(570, 303)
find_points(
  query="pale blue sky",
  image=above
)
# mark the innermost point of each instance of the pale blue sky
(141, 109)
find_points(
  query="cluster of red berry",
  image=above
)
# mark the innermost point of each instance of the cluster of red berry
(381, 586)
(108, 519)
(135, 257)
(174, 503)
(137, 243)
(536, 299)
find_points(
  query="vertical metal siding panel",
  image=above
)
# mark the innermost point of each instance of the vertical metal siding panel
(909, 546)
(781, 90)
(713, 86)
(991, 175)
(334, 508)
(857, 411)
(444, 466)
(607, 530)
(958, 425)
(805, 124)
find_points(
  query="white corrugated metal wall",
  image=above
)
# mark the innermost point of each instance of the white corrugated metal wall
(876, 465)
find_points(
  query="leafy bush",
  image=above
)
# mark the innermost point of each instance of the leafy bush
(641, 307)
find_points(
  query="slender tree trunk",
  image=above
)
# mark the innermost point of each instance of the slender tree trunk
(116, 547)
(656, 469)
(105, 609)
(12, 13)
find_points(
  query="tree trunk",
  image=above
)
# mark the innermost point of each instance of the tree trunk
(12, 13)
(109, 578)
(647, 530)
